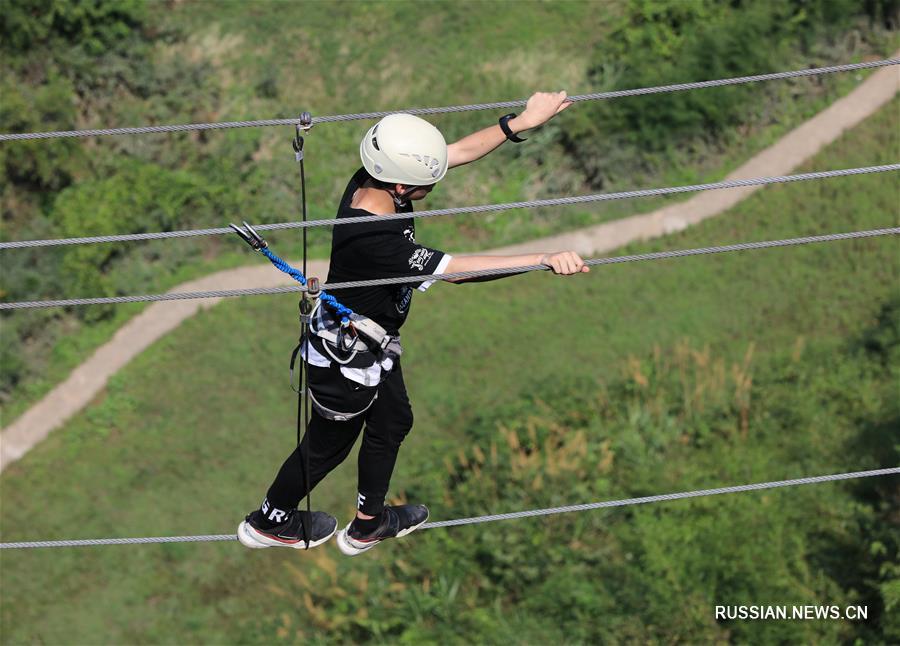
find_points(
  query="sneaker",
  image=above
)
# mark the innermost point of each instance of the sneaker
(287, 534)
(396, 522)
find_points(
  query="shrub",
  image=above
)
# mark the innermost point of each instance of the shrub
(661, 42)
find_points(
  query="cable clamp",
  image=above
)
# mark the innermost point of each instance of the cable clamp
(303, 127)
(312, 287)
(309, 296)
(250, 236)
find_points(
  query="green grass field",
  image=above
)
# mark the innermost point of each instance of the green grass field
(244, 63)
(594, 371)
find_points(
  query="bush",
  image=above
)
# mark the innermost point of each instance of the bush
(93, 57)
(661, 42)
(140, 197)
(676, 420)
(95, 25)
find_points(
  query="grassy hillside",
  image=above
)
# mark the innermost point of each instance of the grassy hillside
(533, 391)
(130, 63)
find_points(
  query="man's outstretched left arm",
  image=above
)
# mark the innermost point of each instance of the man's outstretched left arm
(541, 107)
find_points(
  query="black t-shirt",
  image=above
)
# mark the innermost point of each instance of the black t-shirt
(379, 250)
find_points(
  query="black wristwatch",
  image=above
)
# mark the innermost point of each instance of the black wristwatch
(504, 126)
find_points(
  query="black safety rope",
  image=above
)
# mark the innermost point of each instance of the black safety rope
(305, 311)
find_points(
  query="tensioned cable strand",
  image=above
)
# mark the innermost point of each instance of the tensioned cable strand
(658, 255)
(596, 96)
(454, 276)
(618, 94)
(662, 498)
(485, 208)
(491, 517)
(152, 298)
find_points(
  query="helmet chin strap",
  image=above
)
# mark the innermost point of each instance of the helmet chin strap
(402, 200)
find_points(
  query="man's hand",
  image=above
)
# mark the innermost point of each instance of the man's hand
(541, 107)
(565, 263)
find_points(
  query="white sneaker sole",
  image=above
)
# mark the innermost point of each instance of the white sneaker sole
(250, 537)
(351, 547)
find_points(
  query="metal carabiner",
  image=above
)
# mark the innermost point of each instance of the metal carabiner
(346, 336)
(250, 236)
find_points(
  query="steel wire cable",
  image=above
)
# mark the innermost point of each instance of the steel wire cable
(203, 538)
(331, 287)
(596, 96)
(484, 208)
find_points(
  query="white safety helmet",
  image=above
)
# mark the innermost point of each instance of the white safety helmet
(404, 149)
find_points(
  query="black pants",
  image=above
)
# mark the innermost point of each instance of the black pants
(386, 423)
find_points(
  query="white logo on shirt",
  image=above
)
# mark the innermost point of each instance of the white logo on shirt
(420, 258)
(409, 233)
(403, 298)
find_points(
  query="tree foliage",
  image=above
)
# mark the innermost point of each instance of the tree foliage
(663, 42)
(678, 419)
(94, 25)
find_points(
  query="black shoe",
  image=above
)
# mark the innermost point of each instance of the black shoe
(396, 522)
(290, 533)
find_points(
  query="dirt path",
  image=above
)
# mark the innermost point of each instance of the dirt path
(158, 319)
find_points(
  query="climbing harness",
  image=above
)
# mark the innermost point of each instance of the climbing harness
(361, 354)
(340, 335)
(353, 348)
(344, 341)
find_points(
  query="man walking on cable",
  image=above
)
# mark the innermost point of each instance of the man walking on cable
(354, 368)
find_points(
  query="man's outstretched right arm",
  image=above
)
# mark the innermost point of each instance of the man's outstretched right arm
(563, 263)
